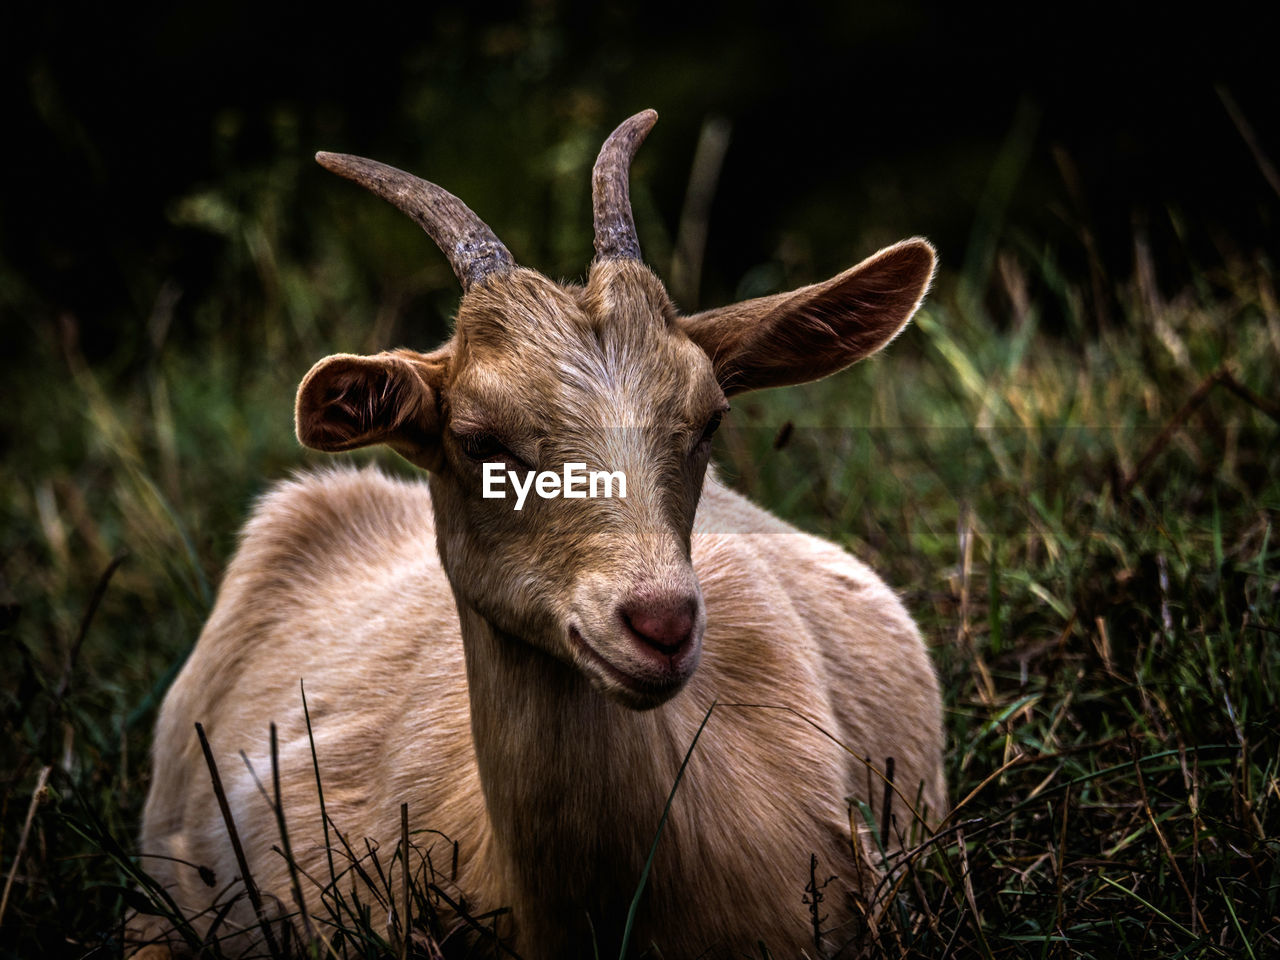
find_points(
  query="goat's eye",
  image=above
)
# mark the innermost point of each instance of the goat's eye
(710, 429)
(483, 446)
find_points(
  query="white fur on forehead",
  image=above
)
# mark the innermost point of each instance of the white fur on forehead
(610, 350)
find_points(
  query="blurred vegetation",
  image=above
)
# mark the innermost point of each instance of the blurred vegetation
(1068, 464)
(146, 138)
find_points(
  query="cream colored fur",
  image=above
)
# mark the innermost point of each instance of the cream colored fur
(472, 662)
(763, 791)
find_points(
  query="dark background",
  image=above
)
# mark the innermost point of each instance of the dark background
(139, 135)
(172, 262)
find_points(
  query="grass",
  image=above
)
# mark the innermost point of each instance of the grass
(1082, 518)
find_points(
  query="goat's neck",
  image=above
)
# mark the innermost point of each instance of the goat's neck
(574, 784)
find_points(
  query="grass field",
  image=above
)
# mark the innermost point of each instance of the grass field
(1081, 518)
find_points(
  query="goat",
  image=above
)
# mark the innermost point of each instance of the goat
(531, 685)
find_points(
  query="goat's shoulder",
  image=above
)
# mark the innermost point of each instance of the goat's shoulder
(789, 611)
(742, 546)
(336, 515)
(775, 593)
(332, 566)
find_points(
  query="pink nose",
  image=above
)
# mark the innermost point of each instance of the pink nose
(664, 624)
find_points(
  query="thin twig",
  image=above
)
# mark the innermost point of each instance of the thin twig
(886, 807)
(1196, 916)
(99, 591)
(1250, 138)
(294, 885)
(234, 835)
(315, 766)
(1174, 424)
(1222, 375)
(1260, 403)
(934, 840)
(404, 881)
(36, 795)
(967, 882)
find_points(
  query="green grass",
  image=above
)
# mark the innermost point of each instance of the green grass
(1092, 558)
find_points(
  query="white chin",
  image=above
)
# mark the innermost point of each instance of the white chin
(635, 688)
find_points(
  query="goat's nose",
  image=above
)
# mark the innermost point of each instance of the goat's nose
(664, 624)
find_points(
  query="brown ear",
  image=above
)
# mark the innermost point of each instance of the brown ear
(347, 401)
(815, 331)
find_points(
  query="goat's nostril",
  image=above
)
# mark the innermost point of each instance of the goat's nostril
(665, 626)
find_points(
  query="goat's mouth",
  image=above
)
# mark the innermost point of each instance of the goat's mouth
(641, 686)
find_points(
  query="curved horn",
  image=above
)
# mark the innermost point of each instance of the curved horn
(610, 190)
(473, 250)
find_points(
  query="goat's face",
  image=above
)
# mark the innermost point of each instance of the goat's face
(608, 376)
(542, 376)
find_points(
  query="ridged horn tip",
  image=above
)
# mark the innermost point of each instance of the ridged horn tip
(615, 229)
(641, 123)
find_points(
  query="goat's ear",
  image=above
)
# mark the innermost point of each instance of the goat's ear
(347, 401)
(817, 330)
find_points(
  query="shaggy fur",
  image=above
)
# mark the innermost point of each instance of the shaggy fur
(487, 667)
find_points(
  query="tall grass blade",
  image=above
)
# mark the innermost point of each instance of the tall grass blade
(653, 849)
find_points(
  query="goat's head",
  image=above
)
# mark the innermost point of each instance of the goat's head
(607, 375)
